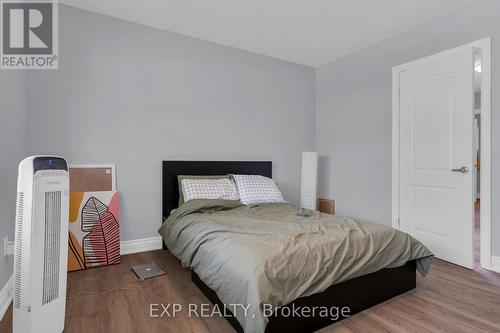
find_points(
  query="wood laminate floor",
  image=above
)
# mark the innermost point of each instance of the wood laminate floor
(111, 299)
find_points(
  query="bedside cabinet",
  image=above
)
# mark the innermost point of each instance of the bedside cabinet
(326, 206)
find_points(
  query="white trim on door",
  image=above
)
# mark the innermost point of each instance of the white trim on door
(485, 178)
(485, 188)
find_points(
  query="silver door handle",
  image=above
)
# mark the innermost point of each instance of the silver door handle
(462, 170)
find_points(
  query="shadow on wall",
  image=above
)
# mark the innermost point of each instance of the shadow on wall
(324, 167)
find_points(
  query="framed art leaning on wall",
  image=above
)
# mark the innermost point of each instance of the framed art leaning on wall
(94, 230)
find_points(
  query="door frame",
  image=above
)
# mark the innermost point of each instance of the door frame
(485, 181)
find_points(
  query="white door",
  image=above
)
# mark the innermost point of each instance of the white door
(436, 154)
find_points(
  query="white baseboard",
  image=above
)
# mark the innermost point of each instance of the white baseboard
(6, 296)
(126, 247)
(140, 245)
(495, 264)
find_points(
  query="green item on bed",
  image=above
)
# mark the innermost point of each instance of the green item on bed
(304, 212)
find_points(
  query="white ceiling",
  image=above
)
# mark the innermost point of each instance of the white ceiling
(308, 32)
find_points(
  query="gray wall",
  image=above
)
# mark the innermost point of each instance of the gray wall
(13, 148)
(353, 111)
(133, 95)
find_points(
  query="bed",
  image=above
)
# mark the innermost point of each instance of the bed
(357, 294)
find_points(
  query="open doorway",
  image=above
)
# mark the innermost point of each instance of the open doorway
(477, 156)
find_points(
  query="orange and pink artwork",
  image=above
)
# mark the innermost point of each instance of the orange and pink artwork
(94, 230)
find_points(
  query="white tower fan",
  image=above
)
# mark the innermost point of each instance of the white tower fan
(41, 245)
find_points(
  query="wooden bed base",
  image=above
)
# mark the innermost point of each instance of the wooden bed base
(358, 294)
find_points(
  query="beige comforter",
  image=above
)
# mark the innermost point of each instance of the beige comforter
(267, 255)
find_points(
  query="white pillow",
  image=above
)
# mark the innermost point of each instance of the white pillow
(255, 189)
(209, 189)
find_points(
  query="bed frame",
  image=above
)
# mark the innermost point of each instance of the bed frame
(358, 294)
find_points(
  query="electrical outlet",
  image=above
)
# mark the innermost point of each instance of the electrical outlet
(8, 247)
(5, 246)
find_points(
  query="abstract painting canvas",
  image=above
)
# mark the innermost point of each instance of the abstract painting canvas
(94, 230)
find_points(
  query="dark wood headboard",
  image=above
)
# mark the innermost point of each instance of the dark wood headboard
(171, 169)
